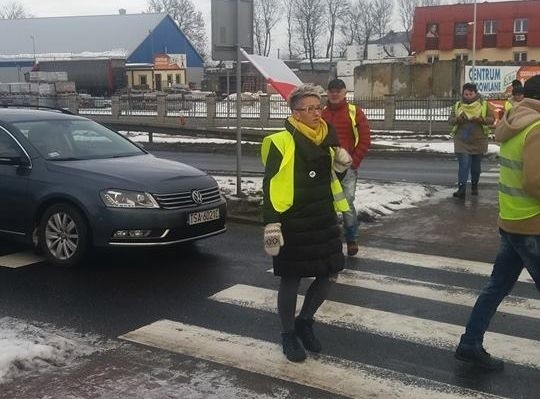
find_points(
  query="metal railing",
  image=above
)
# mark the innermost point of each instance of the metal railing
(138, 105)
(373, 107)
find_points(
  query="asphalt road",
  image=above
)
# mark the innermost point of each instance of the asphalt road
(422, 168)
(391, 326)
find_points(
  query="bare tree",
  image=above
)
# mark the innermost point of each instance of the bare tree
(336, 10)
(310, 16)
(267, 13)
(289, 8)
(382, 16)
(406, 15)
(366, 20)
(12, 10)
(189, 20)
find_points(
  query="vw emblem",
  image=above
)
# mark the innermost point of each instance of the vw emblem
(197, 197)
(312, 174)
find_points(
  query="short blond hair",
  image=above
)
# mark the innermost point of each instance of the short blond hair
(307, 90)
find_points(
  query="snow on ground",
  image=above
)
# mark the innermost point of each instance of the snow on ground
(25, 347)
(445, 147)
(373, 199)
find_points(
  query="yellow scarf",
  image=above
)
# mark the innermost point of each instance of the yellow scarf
(315, 135)
(472, 110)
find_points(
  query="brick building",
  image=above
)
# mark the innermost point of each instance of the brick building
(505, 31)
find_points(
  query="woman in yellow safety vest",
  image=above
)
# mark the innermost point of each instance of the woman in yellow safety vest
(470, 120)
(301, 195)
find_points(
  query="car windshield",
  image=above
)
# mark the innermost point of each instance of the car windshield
(62, 140)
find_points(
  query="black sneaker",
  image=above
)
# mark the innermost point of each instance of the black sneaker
(304, 330)
(479, 357)
(292, 348)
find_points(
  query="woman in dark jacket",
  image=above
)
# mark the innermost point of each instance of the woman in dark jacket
(301, 226)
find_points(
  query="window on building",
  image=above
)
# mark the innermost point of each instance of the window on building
(460, 28)
(521, 25)
(177, 78)
(460, 35)
(142, 80)
(432, 59)
(462, 57)
(169, 79)
(520, 56)
(490, 27)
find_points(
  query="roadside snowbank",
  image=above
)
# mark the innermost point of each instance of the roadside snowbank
(25, 347)
(373, 199)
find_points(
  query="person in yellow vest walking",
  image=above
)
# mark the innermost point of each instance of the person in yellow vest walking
(301, 195)
(354, 136)
(519, 221)
(470, 119)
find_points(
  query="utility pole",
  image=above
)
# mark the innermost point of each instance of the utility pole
(238, 104)
(474, 44)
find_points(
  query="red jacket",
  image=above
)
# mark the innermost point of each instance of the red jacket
(338, 116)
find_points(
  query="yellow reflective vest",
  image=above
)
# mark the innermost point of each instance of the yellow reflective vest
(352, 115)
(514, 202)
(483, 114)
(282, 183)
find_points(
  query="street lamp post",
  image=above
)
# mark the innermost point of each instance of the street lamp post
(473, 43)
(33, 47)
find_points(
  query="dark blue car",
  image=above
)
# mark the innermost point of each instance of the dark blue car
(68, 183)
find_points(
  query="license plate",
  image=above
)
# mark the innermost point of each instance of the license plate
(203, 216)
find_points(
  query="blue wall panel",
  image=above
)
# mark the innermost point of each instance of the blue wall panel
(166, 38)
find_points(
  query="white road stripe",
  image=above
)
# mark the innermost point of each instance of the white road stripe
(19, 259)
(431, 261)
(337, 376)
(422, 331)
(490, 175)
(436, 292)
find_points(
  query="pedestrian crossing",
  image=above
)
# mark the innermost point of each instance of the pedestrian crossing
(20, 259)
(360, 378)
(490, 176)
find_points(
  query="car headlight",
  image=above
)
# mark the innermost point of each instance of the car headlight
(127, 199)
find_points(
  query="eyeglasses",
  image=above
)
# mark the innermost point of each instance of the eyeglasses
(311, 109)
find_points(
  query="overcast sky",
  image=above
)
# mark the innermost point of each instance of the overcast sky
(54, 8)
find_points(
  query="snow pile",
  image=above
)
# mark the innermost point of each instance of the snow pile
(25, 347)
(373, 199)
(424, 146)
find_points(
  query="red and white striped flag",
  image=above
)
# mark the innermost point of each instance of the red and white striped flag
(276, 72)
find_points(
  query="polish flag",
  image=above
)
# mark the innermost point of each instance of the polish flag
(276, 72)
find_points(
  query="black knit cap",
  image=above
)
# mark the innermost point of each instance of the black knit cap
(532, 87)
(336, 84)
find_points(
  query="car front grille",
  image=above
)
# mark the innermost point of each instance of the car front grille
(185, 199)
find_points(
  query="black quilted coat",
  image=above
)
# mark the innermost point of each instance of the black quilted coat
(310, 227)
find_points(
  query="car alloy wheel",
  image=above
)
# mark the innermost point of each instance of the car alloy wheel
(63, 234)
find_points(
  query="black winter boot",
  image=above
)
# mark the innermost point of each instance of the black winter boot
(460, 193)
(474, 189)
(304, 330)
(292, 348)
(478, 357)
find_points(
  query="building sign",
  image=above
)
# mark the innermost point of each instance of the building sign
(169, 62)
(498, 79)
